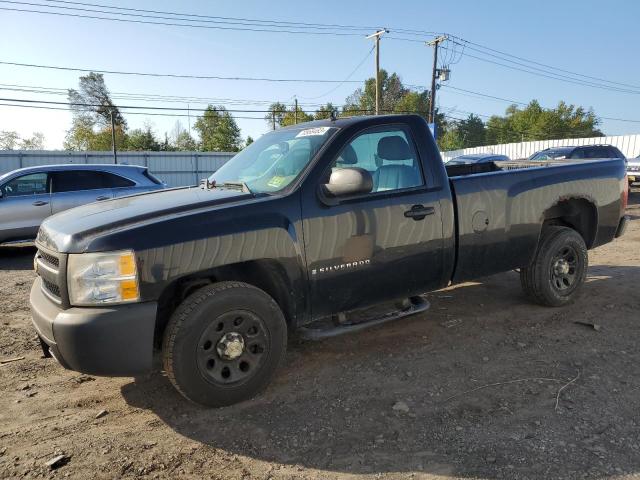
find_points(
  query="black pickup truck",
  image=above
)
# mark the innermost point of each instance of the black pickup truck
(305, 231)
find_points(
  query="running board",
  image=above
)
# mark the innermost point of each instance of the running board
(415, 305)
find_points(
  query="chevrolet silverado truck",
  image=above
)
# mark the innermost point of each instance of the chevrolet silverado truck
(320, 228)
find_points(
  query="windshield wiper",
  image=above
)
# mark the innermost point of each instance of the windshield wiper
(242, 186)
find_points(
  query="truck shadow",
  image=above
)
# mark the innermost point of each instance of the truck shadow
(468, 389)
(17, 258)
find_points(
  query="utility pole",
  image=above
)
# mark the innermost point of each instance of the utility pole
(295, 112)
(434, 73)
(377, 36)
(189, 117)
(113, 138)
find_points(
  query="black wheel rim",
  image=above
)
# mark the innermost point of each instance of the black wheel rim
(564, 269)
(232, 348)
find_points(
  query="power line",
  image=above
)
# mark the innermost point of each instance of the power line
(543, 64)
(165, 24)
(146, 97)
(175, 75)
(346, 79)
(551, 75)
(525, 104)
(257, 21)
(44, 107)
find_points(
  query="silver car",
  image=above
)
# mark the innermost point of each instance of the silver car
(29, 195)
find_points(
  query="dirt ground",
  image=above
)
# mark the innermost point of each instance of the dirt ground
(467, 390)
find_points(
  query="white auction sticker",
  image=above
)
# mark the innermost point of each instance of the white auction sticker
(313, 131)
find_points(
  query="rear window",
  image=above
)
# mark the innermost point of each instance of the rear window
(77, 180)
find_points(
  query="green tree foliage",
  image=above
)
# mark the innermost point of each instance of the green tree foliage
(8, 139)
(35, 142)
(248, 141)
(536, 123)
(92, 109)
(286, 116)
(142, 139)
(218, 131)
(82, 136)
(93, 101)
(450, 139)
(324, 112)
(394, 95)
(181, 140)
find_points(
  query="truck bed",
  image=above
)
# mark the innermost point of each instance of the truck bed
(500, 208)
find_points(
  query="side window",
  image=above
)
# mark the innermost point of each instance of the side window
(110, 180)
(32, 184)
(388, 155)
(615, 153)
(579, 153)
(75, 180)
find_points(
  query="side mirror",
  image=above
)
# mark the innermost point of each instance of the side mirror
(349, 181)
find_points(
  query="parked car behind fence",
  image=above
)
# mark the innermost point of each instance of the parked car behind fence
(29, 195)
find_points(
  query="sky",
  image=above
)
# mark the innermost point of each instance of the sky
(584, 36)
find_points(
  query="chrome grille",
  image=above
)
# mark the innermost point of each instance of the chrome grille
(50, 259)
(51, 268)
(52, 288)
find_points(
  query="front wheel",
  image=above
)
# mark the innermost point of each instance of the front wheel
(224, 343)
(558, 269)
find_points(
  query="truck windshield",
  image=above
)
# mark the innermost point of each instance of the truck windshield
(274, 160)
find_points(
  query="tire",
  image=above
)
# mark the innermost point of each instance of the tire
(224, 343)
(558, 268)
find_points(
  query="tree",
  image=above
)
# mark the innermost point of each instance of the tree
(450, 140)
(8, 139)
(35, 142)
(324, 112)
(93, 101)
(81, 136)
(395, 98)
(142, 139)
(181, 140)
(363, 100)
(471, 131)
(537, 123)
(286, 116)
(248, 141)
(91, 109)
(218, 130)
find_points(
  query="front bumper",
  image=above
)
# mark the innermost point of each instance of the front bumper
(109, 341)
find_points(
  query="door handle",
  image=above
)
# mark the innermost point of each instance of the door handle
(418, 212)
(102, 197)
(40, 203)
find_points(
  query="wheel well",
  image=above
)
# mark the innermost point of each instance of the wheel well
(576, 213)
(268, 275)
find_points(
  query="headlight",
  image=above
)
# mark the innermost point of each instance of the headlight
(98, 278)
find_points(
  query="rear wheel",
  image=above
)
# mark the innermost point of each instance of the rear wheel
(224, 343)
(558, 269)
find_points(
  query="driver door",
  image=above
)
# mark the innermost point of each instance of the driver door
(372, 247)
(25, 203)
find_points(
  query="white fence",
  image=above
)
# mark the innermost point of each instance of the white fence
(628, 144)
(174, 168)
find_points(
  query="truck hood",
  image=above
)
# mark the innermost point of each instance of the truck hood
(70, 231)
